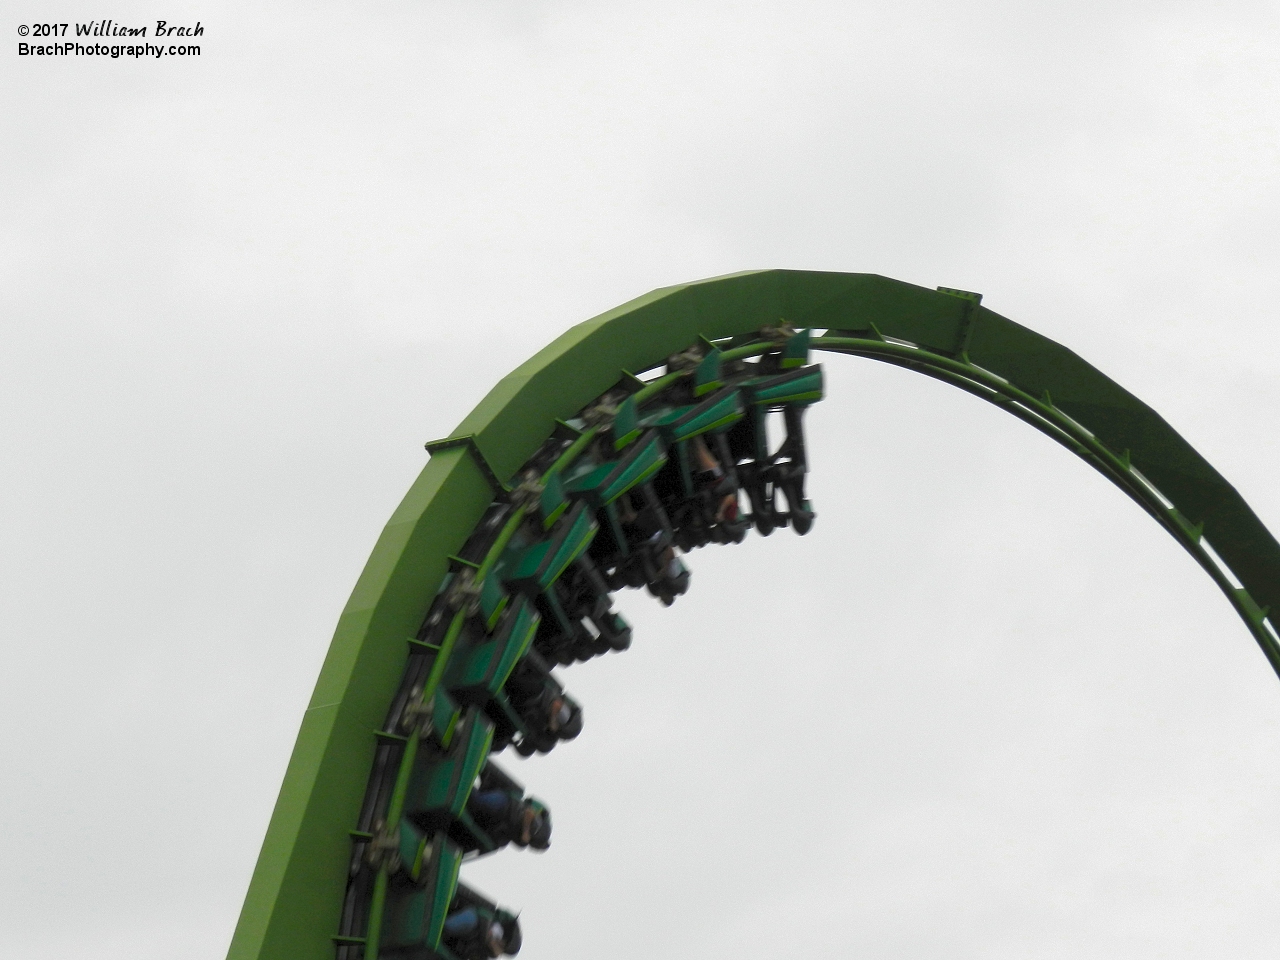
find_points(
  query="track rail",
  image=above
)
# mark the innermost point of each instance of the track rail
(513, 511)
(1054, 423)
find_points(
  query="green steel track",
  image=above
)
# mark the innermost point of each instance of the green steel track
(295, 904)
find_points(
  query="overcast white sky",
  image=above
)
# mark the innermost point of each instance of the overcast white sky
(987, 709)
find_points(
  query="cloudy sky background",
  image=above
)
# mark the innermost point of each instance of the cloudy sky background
(987, 709)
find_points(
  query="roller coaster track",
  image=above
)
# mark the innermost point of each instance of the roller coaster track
(633, 438)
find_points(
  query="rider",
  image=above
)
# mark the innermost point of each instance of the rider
(477, 933)
(711, 476)
(549, 713)
(509, 817)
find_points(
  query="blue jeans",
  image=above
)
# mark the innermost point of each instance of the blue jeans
(462, 924)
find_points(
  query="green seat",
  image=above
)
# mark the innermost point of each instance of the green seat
(604, 483)
(532, 568)
(420, 893)
(719, 411)
(441, 780)
(800, 386)
(480, 666)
